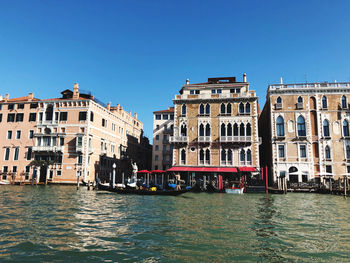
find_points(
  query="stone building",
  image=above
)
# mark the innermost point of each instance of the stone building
(163, 128)
(305, 130)
(68, 137)
(216, 127)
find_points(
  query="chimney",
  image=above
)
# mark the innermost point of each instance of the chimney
(7, 96)
(244, 77)
(108, 106)
(1, 98)
(187, 81)
(30, 96)
(76, 91)
(135, 115)
(281, 80)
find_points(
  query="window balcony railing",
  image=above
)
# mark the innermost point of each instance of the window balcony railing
(300, 105)
(249, 163)
(204, 162)
(235, 138)
(224, 163)
(181, 139)
(48, 148)
(203, 138)
(79, 148)
(278, 106)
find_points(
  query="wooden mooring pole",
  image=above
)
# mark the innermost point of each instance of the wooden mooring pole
(266, 180)
(345, 184)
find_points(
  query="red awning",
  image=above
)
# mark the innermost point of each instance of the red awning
(202, 169)
(247, 169)
(157, 171)
(143, 172)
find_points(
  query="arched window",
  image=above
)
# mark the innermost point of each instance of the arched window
(242, 156)
(222, 108)
(327, 152)
(279, 100)
(183, 109)
(247, 108)
(343, 102)
(241, 108)
(229, 155)
(325, 128)
(229, 108)
(345, 128)
(249, 155)
(223, 130)
(207, 156)
(229, 129)
(183, 131)
(201, 155)
(207, 109)
(301, 126)
(201, 109)
(249, 130)
(300, 99)
(207, 129)
(235, 129)
(280, 126)
(223, 155)
(201, 129)
(324, 102)
(183, 156)
(347, 152)
(241, 130)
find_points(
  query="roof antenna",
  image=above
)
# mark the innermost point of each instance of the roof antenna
(281, 80)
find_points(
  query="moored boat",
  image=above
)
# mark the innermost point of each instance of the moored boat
(4, 182)
(234, 190)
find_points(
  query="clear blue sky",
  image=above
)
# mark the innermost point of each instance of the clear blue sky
(139, 53)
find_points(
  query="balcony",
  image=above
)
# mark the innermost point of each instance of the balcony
(224, 163)
(48, 149)
(204, 162)
(235, 138)
(278, 106)
(79, 148)
(300, 105)
(178, 139)
(203, 138)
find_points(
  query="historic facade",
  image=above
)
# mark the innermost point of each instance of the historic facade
(305, 129)
(163, 128)
(216, 125)
(63, 138)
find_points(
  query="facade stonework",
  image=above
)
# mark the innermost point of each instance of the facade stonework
(216, 125)
(305, 131)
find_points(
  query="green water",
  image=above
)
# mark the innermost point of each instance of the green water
(58, 223)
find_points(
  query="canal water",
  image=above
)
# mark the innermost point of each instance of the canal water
(58, 223)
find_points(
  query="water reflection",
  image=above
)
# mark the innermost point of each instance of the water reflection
(56, 223)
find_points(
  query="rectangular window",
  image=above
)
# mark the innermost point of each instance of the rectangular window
(171, 116)
(41, 116)
(31, 134)
(80, 141)
(15, 156)
(191, 91)
(232, 90)
(218, 91)
(20, 106)
(7, 154)
(156, 157)
(56, 116)
(61, 141)
(158, 117)
(58, 173)
(34, 105)
(5, 169)
(112, 148)
(113, 127)
(82, 116)
(0, 106)
(165, 116)
(14, 169)
(0, 117)
(91, 116)
(11, 106)
(18, 135)
(213, 91)
(80, 159)
(157, 137)
(9, 135)
(19, 117)
(197, 91)
(32, 116)
(63, 116)
(29, 153)
(104, 123)
(27, 169)
(281, 151)
(302, 148)
(238, 90)
(156, 148)
(348, 169)
(329, 168)
(11, 117)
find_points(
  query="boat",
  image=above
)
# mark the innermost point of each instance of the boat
(106, 187)
(4, 182)
(234, 190)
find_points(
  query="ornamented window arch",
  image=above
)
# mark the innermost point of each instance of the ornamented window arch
(183, 109)
(223, 129)
(249, 155)
(280, 126)
(247, 108)
(223, 155)
(300, 99)
(201, 109)
(207, 156)
(242, 156)
(229, 129)
(325, 128)
(241, 130)
(235, 129)
(207, 109)
(229, 108)
(229, 155)
(183, 130)
(324, 102)
(222, 108)
(279, 100)
(327, 152)
(183, 156)
(241, 108)
(344, 102)
(207, 129)
(248, 130)
(201, 129)
(348, 152)
(301, 126)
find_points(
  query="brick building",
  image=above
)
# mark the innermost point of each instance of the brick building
(216, 128)
(74, 135)
(305, 130)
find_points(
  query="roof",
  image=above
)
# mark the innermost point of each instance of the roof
(202, 169)
(169, 110)
(19, 99)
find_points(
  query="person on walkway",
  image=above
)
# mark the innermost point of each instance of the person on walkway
(177, 181)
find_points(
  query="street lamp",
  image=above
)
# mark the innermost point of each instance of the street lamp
(113, 179)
